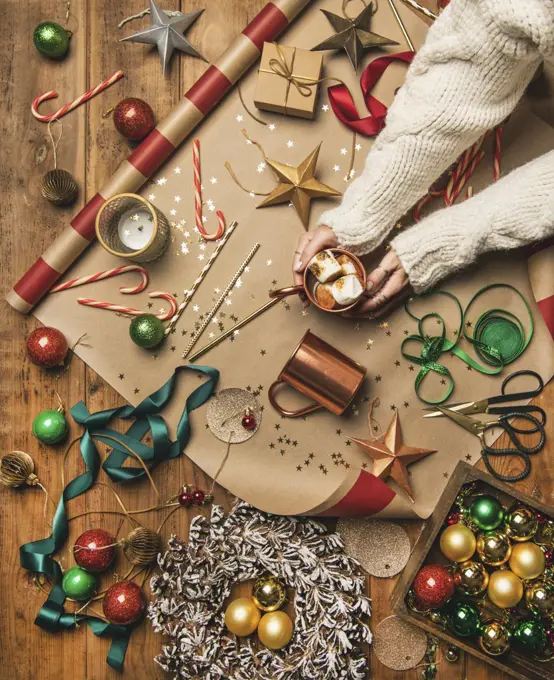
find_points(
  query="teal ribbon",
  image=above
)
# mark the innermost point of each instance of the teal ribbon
(499, 338)
(37, 556)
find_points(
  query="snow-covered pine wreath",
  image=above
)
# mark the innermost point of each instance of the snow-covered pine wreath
(331, 610)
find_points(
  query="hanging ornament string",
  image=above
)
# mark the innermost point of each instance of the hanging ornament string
(54, 142)
(37, 556)
(227, 165)
(146, 12)
(499, 338)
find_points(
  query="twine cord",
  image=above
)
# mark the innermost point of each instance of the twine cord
(56, 142)
(146, 12)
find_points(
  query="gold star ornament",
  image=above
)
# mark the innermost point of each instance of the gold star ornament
(391, 456)
(298, 186)
(353, 35)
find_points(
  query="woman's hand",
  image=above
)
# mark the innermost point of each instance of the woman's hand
(309, 244)
(387, 286)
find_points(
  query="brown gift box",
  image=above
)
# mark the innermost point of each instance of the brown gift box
(287, 80)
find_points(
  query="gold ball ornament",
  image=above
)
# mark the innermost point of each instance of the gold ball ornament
(505, 589)
(471, 578)
(242, 617)
(457, 542)
(275, 630)
(495, 638)
(527, 560)
(269, 593)
(493, 548)
(521, 524)
(539, 598)
(59, 187)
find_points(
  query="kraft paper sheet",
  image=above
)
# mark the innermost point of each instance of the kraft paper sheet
(294, 466)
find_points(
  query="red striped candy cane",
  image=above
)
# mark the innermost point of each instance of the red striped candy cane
(52, 94)
(497, 153)
(108, 274)
(132, 311)
(198, 199)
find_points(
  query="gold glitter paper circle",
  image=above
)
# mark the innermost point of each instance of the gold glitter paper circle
(399, 645)
(382, 548)
(226, 410)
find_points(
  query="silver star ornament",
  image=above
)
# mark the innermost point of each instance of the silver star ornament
(167, 34)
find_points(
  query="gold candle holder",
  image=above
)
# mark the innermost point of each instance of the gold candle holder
(129, 226)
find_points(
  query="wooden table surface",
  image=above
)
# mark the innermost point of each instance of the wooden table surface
(91, 149)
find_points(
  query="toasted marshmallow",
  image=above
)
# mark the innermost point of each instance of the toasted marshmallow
(346, 265)
(324, 266)
(347, 290)
(324, 296)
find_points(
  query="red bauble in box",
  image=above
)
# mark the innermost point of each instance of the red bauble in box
(433, 586)
(134, 118)
(47, 347)
(123, 603)
(94, 550)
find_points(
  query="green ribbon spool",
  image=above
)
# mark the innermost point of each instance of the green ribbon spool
(37, 556)
(499, 338)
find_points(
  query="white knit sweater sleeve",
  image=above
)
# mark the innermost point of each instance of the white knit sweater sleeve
(516, 211)
(468, 76)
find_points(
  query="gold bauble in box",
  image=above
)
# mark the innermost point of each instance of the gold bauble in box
(539, 598)
(471, 578)
(494, 548)
(457, 542)
(521, 524)
(495, 638)
(275, 630)
(268, 593)
(242, 616)
(527, 560)
(505, 589)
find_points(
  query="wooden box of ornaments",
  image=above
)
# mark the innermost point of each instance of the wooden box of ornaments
(481, 575)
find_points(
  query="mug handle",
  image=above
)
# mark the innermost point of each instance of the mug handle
(285, 292)
(289, 414)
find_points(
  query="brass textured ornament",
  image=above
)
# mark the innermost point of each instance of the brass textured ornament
(298, 185)
(495, 638)
(353, 35)
(141, 547)
(59, 187)
(471, 578)
(493, 548)
(391, 456)
(17, 468)
(269, 593)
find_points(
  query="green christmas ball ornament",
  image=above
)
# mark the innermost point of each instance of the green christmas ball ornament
(51, 39)
(530, 636)
(486, 512)
(464, 620)
(146, 331)
(50, 426)
(79, 584)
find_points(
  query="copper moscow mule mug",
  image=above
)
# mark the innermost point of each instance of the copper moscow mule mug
(323, 374)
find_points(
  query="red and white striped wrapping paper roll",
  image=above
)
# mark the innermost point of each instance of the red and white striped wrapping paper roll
(197, 103)
(541, 275)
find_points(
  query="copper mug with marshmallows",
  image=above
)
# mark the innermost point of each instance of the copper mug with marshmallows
(323, 374)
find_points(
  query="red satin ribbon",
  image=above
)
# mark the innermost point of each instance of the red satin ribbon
(343, 104)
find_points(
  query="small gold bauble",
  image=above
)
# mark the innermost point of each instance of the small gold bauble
(493, 548)
(505, 589)
(539, 598)
(452, 653)
(275, 630)
(242, 617)
(471, 578)
(268, 593)
(59, 187)
(457, 542)
(521, 524)
(495, 638)
(527, 560)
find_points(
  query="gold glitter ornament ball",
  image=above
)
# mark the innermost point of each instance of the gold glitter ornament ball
(521, 524)
(493, 548)
(242, 617)
(471, 578)
(495, 638)
(527, 560)
(457, 542)
(275, 630)
(268, 593)
(505, 588)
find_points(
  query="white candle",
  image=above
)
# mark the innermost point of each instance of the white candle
(135, 228)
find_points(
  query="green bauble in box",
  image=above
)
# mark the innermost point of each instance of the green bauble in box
(530, 636)
(51, 39)
(486, 512)
(464, 619)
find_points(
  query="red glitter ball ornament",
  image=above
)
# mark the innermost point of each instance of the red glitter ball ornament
(198, 497)
(433, 586)
(91, 551)
(453, 518)
(186, 498)
(47, 347)
(123, 603)
(249, 422)
(134, 118)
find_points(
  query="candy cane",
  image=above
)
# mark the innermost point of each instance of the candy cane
(467, 174)
(198, 199)
(52, 94)
(132, 311)
(497, 152)
(108, 274)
